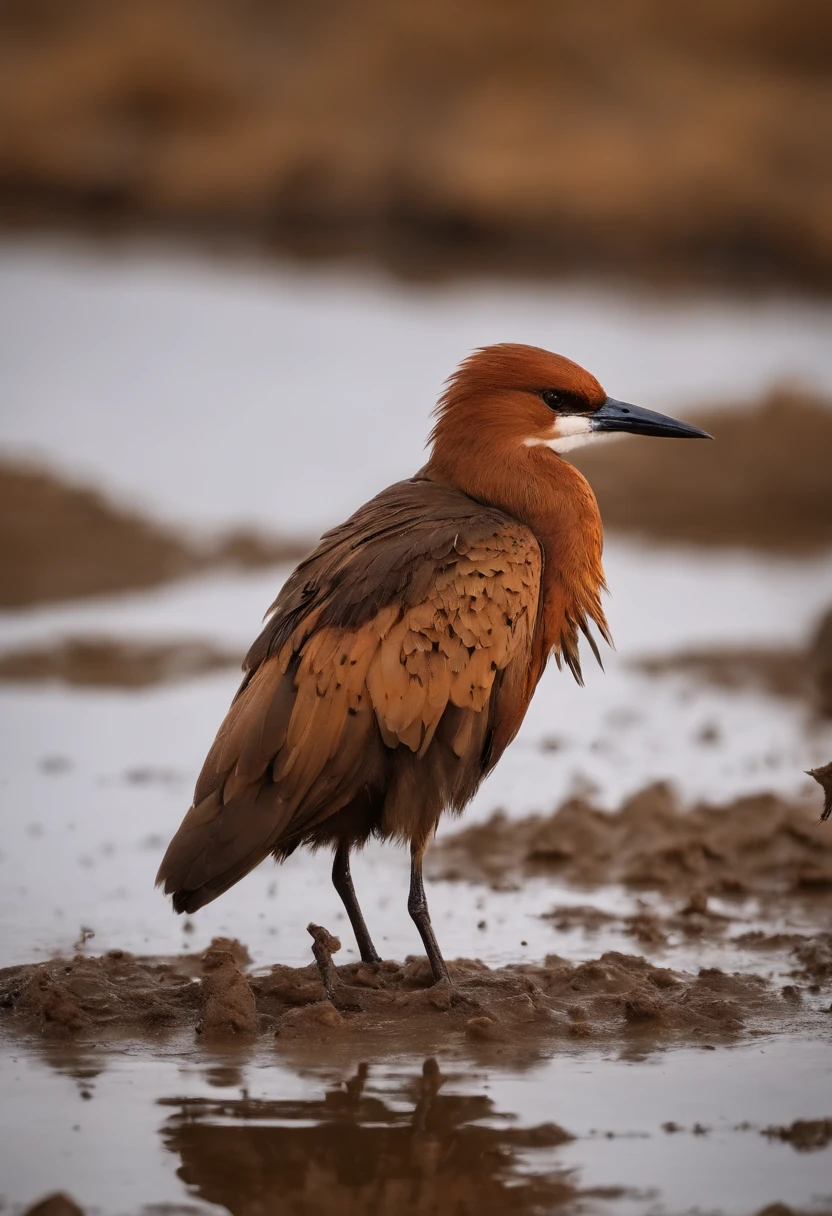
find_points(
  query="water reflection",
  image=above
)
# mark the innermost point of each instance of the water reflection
(400, 1146)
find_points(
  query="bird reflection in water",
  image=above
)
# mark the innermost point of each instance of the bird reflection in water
(403, 1149)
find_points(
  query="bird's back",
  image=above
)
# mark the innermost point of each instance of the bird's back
(394, 669)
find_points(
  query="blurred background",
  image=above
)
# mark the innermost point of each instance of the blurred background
(687, 140)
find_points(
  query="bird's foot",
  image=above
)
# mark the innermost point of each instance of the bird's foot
(443, 995)
(368, 974)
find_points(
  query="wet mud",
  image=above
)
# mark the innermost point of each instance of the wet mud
(616, 999)
(763, 484)
(97, 662)
(59, 540)
(803, 673)
(760, 845)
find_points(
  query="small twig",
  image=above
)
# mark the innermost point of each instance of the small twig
(324, 945)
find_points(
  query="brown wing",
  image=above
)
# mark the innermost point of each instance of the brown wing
(377, 668)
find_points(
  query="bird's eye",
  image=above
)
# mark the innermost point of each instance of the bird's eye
(553, 398)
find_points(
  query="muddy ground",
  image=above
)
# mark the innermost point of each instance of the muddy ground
(759, 846)
(618, 1000)
(656, 141)
(801, 672)
(97, 662)
(60, 540)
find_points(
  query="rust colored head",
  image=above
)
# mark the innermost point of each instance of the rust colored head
(507, 398)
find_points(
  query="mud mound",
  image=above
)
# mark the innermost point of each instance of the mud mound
(805, 1135)
(823, 776)
(805, 673)
(59, 541)
(764, 483)
(648, 138)
(56, 1204)
(783, 673)
(618, 998)
(113, 663)
(758, 845)
(118, 990)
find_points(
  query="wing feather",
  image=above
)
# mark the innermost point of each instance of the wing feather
(376, 641)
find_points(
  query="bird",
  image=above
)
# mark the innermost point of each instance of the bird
(399, 659)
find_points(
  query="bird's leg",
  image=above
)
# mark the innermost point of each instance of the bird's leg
(417, 906)
(342, 881)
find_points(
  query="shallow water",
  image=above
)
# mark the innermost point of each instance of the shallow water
(161, 382)
(250, 1132)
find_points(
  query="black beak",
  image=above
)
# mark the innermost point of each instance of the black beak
(619, 416)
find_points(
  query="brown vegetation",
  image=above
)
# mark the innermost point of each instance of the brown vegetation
(643, 137)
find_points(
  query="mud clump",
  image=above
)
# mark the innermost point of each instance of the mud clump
(759, 845)
(57, 1204)
(764, 484)
(60, 541)
(117, 990)
(823, 776)
(49, 1000)
(227, 1000)
(805, 1135)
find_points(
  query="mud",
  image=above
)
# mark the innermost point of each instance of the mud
(764, 483)
(781, 673)
(90, 662)
(802, 673)
(615, 999)
(60, 541)
(823, 776)
(57, 1204)
(436, 141)
(805, 1135)
(760, 846)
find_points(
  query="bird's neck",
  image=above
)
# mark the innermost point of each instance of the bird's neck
(553, 499)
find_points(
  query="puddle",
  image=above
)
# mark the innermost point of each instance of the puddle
(244, 1131)
(95, 779)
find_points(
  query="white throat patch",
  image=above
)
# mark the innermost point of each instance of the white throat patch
(568, 432)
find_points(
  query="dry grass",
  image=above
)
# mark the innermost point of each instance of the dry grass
(641, 136)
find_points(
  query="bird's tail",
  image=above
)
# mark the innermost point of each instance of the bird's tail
(218, 844)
